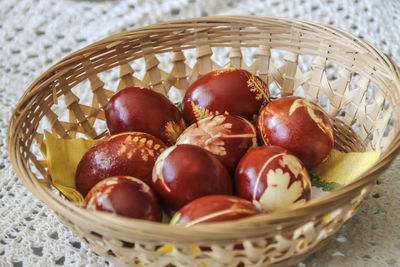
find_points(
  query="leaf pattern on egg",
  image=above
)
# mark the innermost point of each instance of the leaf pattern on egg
(278, 194)
(258, 87)
(146, 146)
(311, 110)
(173, 130)
(200, 112)
(209, 133)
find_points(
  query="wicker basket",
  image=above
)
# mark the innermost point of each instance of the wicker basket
(362, 101)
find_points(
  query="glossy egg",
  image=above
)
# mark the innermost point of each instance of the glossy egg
(143, 110)
(213, 208)
(227, 91)
(130, 153)
(300, 126)
(125, 196)
(273, 178)
(185, 172)
(227, 137)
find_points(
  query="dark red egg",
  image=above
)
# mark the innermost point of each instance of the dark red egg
(214, 208)
(273, 178)
(131, 154)
(183, 173)
(135, 109)
(227, 91)
(300, 126)
(228, 137)
(125, 196)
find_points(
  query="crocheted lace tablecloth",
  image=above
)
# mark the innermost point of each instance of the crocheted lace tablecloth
(35, 34)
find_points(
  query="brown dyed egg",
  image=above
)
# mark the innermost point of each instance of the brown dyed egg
(227, 91)
(273, 178)
(135, 109)
(298, 125)
(183, 173)
(213, 208)
(131, 154)
(228, 137)
(125, 196)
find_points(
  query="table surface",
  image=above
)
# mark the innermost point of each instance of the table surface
(35, 34)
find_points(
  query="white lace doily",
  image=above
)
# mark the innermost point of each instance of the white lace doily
(35, 34)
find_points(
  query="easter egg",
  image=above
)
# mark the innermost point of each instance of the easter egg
(130, 153)
(125, 196)
(298, 125)
(185, 172)
(135, 109)
(228, 137)
(273, 178)
(228, 91)
(213, 208)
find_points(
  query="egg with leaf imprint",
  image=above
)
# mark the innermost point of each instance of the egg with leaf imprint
(227, 92)
(228, 137)
(129, 153)
(273, 178)
(300, 126)
(143, 110)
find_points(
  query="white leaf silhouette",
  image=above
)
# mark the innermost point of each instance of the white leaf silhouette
(278, 195)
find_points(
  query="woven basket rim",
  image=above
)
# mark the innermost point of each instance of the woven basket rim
(233, 229)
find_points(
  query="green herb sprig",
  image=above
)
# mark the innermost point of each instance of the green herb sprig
(325, 186)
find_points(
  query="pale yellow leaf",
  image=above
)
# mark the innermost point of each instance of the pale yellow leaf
(343, 168)
(63, 156)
